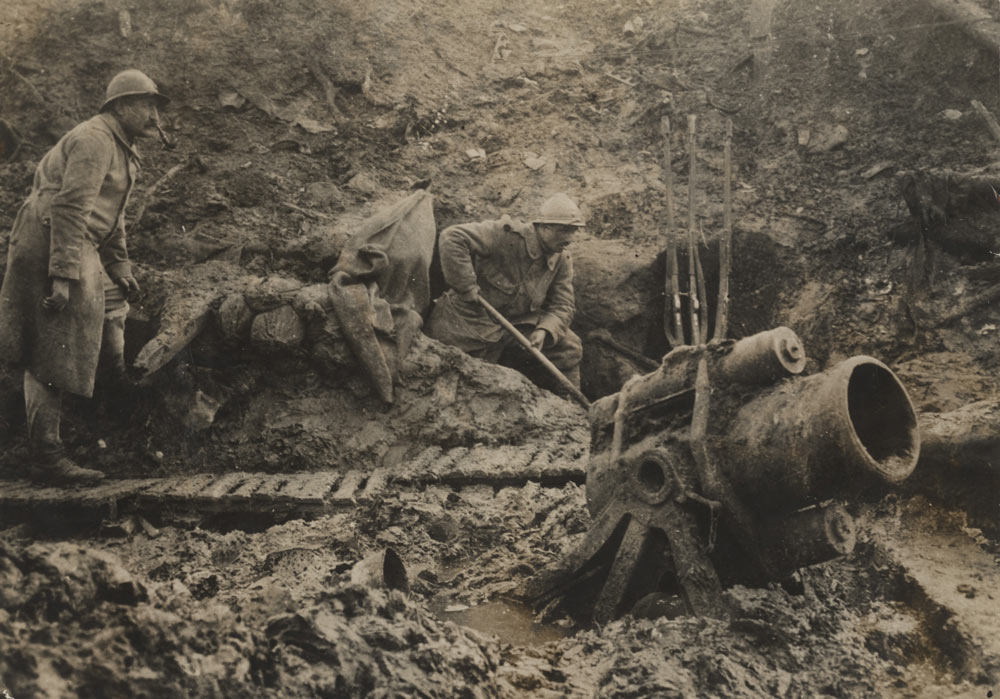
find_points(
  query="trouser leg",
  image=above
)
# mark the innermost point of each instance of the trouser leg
(488, 351)
(113, 392)
(567, 354)
(112, 360)
(43, 406)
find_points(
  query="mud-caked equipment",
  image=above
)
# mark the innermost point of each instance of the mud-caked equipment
(725, 466)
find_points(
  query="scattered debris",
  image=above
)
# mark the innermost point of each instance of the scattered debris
(501, 49)
(830, 138)
(231, 99)
(877, 169)
(534, 161)
(988, 118)
(124, 23)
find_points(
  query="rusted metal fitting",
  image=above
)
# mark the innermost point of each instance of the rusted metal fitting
(653, 477)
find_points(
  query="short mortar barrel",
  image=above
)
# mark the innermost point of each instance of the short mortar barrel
(816, 437)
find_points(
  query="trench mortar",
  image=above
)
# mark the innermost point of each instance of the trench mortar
(726, 466)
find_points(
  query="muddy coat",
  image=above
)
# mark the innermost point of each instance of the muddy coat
(505, 261)
(71, 226)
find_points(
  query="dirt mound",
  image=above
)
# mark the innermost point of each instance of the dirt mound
(295, 121)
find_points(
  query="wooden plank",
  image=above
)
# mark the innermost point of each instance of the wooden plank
(270, 488)
(14, 490)
(165, 485)
(248, 488)
(48, 496)
(311, 487)
(190, 487)
(505, 462)
(552, 463)
(117, 489)
(223, 485)
(348, 487)
(448, 463)
(413, 471)
(376, 484)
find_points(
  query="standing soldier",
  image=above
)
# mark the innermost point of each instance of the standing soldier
(63, 302)
(523, 271)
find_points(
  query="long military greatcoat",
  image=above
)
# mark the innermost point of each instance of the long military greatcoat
(71, 226)
(505, 261)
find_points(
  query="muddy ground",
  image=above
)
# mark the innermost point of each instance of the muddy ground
(296, 120)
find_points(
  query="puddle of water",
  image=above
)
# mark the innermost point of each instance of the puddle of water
(511, 622)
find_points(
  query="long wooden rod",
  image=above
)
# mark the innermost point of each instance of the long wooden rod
(726, 242)
(526, 344)
(673, 326)
(693, 305)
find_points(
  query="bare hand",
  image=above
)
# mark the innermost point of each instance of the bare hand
(537, 338)
(128, 283)
(57, 300)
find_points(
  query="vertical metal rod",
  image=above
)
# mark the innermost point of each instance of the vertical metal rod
(673, 326)
(693, 305)
(726, 241)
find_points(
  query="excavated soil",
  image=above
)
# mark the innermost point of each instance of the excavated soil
(294, 121)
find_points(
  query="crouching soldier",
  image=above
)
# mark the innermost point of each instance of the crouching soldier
(522, 270)
(63, 302)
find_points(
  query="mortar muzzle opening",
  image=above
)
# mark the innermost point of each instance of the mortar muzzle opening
(884, 421)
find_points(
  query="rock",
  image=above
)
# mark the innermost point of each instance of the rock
(877, 169)
(203, 585)
(830, 139)
(270, 293)
(231, 99)
(363, 184)
(443, 528)
(201, 411)
(476, 154)
(234, 317)
(281, 327)
(323, 195)
(533, 161)
(115, 583)
(951, 115)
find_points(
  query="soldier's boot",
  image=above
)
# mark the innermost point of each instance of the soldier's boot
(43, 407)
(63, 471)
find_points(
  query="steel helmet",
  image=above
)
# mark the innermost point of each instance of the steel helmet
(559, 208)
(131, 82)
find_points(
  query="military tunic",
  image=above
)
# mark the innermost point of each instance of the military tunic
(503, 260)
(71, 226)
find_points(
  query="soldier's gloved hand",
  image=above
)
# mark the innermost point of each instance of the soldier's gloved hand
(537, 338)
(128, 283)
(470, 296)
(57, 300)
